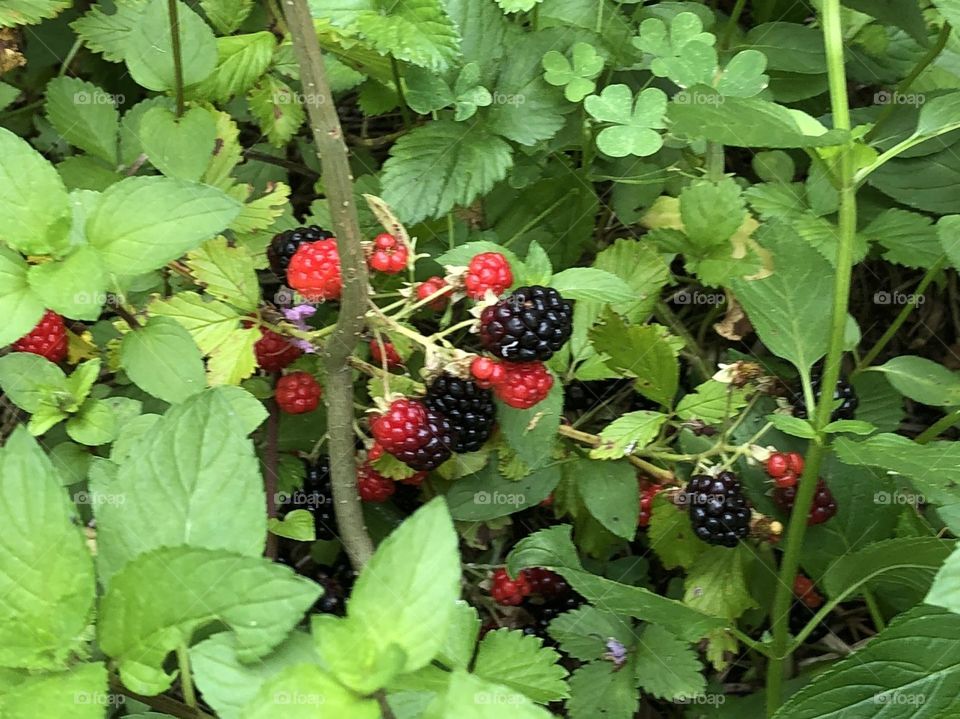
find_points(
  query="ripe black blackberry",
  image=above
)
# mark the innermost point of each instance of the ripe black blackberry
(440, 440)
(316, 497)
(545, 613)
(823, 508)
(469, 408)
(718, 510)
(528, 325)
(285, 244)
(844, 391)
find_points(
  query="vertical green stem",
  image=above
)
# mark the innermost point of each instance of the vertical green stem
(398, 82)
(186, 679)
(847, 227)
(177, 53)
(732, 23)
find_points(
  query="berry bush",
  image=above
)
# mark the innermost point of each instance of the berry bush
(471, 359)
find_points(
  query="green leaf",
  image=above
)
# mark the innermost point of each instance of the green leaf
(210, 322)
(19, 306)
(791, 309)
(910, 239)
(141, 223)
(227, 273)
(912, 666)
(277, 109)
(226, 15)
(297, 525)
(29, 12)
(716, 583)
(910, 561)
(461, 641)
(426, 90)
(108, 34)
(509, 6)
(441, 165)
(34, 213)
(531, 433)
(645, 352)
(354, 660)
(853, 426)
(196, 457)
(78, 693)
(163, 360)
(590, 283)
(178, 147)
(671, 535)
(46, 572)
(94, 424)
(610, 493)
(158, 600)
(576, 77)
(537, 266)
(301, 691)
(712, 211)
(793, 426)
(553, 548)
(487, 495)
(704, 114)
(148, 50)
(642, 268)
(712, 402)
(522, 663)
(8, 93)
(74, 287)
(583, 632)
(242, 60)
(416, 31)
(228, 684)
(462, 254)
(631, 431)
(418, 568)
(922, 380)
(598, 690)
(667, 667)
(84, 115)
(30, 381)
(470, 697)
(743, 76)
(635, 121)
(789, 46)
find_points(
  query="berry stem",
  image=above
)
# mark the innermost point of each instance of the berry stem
(333, 154)
(847, 228)
(177, 54)
(410, 309)
(186, 680)
(938, 427)
(454, 328)
(664, 475)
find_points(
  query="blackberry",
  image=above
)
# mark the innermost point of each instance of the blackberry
(285, 244)
(823, 508)
(469, 408)
(718, 509)
(439, 439)
(316, 497)
(584, 395)
(530, 324)
(543, 614)
(844, 392)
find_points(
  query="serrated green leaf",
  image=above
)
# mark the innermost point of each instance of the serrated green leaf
(667, 667)
(583, 632)
(108, 34)
(211, 323)
(163, 360)
(470, 697)
(910, 239)
(642, 268)
(226, 15)
(19, 306)
(522, 663)
(84, 115)
(417, 31)
(716, 583)
(29, 12)
(590, 283)
(631, 431)
(531, 433)
(645, 352)
(597, 689)
(277, 109)
(227, 273)
(712, 211)
(671, 535)
(30, 381)
(78, 693)
(712, 402)
(178, 147)
(74, 287)
(922, 380)
(94, 424)
(241, 60)
(148, 51)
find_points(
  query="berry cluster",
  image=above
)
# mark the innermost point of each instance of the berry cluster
(389, 254)
(843, 392)
(823, 508)
(510, 592)
(647, 494)
(518, 385)
(373, 486)
(284, 246)
(487, 271)
(430, 287)
(274, 352)
(528, 325)
(316, 497)
(47, 339)
(392, 360)
(298, 392)
(718, 510)
(785, 468)
(806, 592)
(469, 408)
(415, 434)
(314, 270)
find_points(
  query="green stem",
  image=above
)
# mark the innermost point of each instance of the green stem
(938, 427)
(451, 231)
(177, 54)
(695, 352)
(874, 608)
(535, 221)
(932, 54)
(398, 82)
(731, 25)
(78, 43)
(904, 313)
(186, 680)
(847, 227)
(715, 161)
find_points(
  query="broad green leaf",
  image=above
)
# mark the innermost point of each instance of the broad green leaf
(716, 583)
(277, 109)
(910, 669)
(635, 122)
(158, 600)
(631, 431)
(141, 223)
(46, 572)
(583, 632)
(910, 239)
(426, 90)
(553, 548)
(531, 433)
(793, 426)
(712, 211)
(234, 360)
(521, 662)
(923, 183)
(644, 352)
(74, 286)
(94, 424)
(609, 491)
(226, 15)
(790, 309)
(19, 306)
(590, 283)
(538, 270)
(418, 567)
(948, 230)
(29, 381)
(461, 641)
(351, 657)
(667, 667)
(712, 402)
(84, 115)
(227, 273)
(305, 691)
(642, 268)
(228, 684)
(789, 46)
(195, 458)
(671, 535)
(510, 6)
(34, 213)
(108, 34)
(242, 59)
(910, 561)
(416, 31)
(178, 147)
(210, 322)
(486, 494)
(298, 525)
(441, 165)
(598, 690)
(163, 360)
(922, 380)
(576, 76)
(78, 693)
(29, 12)
(471, 697)
(148, 49)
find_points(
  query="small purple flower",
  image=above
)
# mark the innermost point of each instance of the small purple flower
(616, 652)
(298, 316)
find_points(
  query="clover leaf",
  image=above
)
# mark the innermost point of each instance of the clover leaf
(635, 123)
(578, 76)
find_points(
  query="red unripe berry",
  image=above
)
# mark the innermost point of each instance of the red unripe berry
(375, 452)
(787, 480)
(431, 286)
(487, 372)
(509, 592)
(397, 429)
(48, 338)
(795, 462)
(415, 480)
(298, 392)
(373, 486)
(394, 361)
(646, 504)
(805, 591)
(777, 465)
(274, 352)
(314, 270)
(487, 271)
(524, 384)
(388, 254)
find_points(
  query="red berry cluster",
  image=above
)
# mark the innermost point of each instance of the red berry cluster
(274, 352)
(414, 434)
(507, 591)
(298, 392)
(314, 270)
(806, 592)
(647, 494)
(47, 339)
(373, 486)
(389, 254)
(785, 468)
(823, 508)
(430, 287)
(545, 582)
(393, 358)
(487, 271)
(517, 384)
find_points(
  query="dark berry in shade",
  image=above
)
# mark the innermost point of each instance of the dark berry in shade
(284, 246)
(529, 324)
(844, 392)
(718, 510)
(316, 497)
(823, 508)
(438, 440)
(468, 407)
